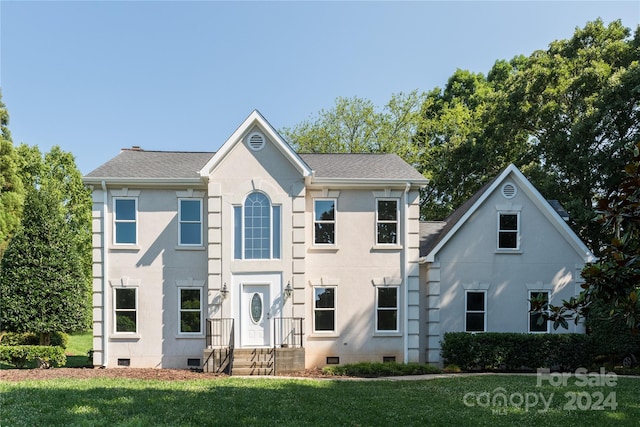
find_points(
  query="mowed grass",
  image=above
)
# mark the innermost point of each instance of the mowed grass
(78, 346)
(80, 343)
(292, 402)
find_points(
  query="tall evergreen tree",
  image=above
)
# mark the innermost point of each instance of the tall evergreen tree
(11, 188)
(43, 286)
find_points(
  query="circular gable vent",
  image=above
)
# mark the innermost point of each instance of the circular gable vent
(508, 190)
(256, 141)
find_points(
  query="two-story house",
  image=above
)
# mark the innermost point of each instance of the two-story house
(254, 246)
(295, 260)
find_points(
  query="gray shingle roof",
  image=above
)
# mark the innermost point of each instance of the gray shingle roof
(361, 166)
(428, 242)
(141, 164)
(152, 164)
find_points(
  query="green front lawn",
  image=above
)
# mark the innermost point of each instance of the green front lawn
(77, 348)
(242, 401)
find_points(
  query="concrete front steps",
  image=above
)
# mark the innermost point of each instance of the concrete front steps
(253, 361)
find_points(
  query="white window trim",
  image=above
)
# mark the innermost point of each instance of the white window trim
(334, 222)
(466, 293)
(200, 333)
(517, 231)
(397, 309)
(180, 222)
(396, 222)
(115, 310)
(548, 292)
(116, 221)
(334, 309)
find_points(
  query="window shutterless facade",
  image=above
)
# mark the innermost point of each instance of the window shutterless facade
(324, 221)
(324, 309)
(190, 222)
(387, 309)
(190, 303)
(125, 215)
(536, 321)
(387, 221)
(508, 230)
(475, 311)
(257, 228)
(125, 310)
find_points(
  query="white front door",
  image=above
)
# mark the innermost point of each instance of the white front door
(255, 315)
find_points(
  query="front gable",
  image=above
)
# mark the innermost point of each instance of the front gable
(256, 134)
(509, 193)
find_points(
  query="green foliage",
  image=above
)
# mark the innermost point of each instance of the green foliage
(380, 369)
(43, 286)
(513, 351)
(11, 188)
(20, 355)
(611, 336)
(59, 339)
(354, 126)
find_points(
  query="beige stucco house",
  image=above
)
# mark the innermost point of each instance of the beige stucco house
(258, 259)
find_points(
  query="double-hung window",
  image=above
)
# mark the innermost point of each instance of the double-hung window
(190, 310)
(125, 307)
(537, 323)
(257, 228)
(387, 309)
(387, 221)
(125, 221)
(190, 222)
(324, 309)
(475, 311)
(508, 230)
(324, 221)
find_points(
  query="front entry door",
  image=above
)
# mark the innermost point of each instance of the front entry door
(255, 316)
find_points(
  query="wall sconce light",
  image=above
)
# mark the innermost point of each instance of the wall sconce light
(288, 291)
(224, 291)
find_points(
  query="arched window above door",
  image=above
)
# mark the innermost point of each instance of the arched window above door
(257, 228)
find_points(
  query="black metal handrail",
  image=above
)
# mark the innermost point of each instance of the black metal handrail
(220, 333)
(287, 332)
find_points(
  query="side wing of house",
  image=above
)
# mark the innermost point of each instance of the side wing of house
(506, 246)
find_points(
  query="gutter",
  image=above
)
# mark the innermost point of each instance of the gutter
(105, 271)
(405, 276)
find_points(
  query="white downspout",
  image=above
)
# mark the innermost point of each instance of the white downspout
(405, 276)
(105, 271)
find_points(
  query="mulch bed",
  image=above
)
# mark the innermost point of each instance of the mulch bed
(130, 373)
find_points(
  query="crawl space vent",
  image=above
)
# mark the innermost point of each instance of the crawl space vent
(256, 141)
(508, 190)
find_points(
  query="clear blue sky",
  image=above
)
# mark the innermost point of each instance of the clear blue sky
(94, 77)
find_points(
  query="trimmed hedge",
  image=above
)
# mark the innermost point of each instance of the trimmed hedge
(513, 351)
(612, 338)
(59, 339)
(380, 369)
(20, 355)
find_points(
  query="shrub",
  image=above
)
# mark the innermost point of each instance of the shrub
(513, 351)
(20, 355)
(380, 369)
(612, 338)
(59, 339)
